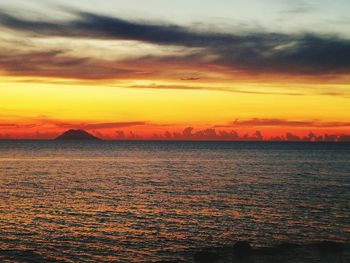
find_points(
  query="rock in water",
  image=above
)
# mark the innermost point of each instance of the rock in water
(242, 248)
(206, 257)
(76, 135)
(329, 247)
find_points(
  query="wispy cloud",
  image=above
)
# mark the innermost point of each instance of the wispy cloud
(217, 88)
(246, 130)
(8, 125)
(17, 126)
(256, 122)
(57, 64)
(89, 126)
(47, 122)
(110, 125)
(305, 53)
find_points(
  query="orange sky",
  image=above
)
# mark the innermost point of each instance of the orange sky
(39, 109)
(151, 80)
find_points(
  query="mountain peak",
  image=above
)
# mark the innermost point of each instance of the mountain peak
(76, 135)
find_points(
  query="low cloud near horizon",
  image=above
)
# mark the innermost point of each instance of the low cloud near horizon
(238, 130)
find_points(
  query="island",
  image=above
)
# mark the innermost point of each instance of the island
(77, 135)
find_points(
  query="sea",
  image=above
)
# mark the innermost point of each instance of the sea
(148, 201)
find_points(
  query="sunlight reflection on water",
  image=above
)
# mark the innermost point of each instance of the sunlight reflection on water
(143, 201)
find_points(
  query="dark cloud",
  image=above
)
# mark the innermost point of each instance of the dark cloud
(92, 126)
(251, 52)
(8, 125)
(114, 125)
(191, 78)
(97, 26)
(12, 125)
(57, 64)
(42, 121)
(292, 138)
(217, 135)
(189, 133)
(225, 89)
(282, 122)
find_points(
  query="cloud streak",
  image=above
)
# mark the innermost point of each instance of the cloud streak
(93, 126)
(246, 130)
(57, 64)
(255, 52)
(111, 125)
(224, 89)
(257, 122)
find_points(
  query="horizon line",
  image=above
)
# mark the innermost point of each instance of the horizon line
(170, 140)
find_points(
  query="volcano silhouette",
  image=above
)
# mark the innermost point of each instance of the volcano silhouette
(76, 135)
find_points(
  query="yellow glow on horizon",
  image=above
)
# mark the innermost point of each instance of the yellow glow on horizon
(104, 103)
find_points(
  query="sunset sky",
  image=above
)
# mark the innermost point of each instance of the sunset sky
(175, 69)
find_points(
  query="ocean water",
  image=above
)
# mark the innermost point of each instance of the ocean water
(150, 201)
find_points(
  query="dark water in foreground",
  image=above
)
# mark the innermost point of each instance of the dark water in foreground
(147, 201)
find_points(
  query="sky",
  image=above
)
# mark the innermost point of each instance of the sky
(184, 69)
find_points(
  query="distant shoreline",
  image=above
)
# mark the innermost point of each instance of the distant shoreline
(152, 140)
